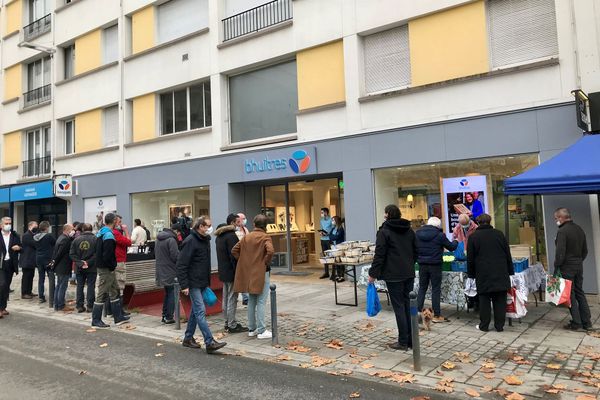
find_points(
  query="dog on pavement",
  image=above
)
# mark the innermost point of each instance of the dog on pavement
(427, 316)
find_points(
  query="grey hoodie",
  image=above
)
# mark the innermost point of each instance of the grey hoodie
(166, 252)
(44, 247)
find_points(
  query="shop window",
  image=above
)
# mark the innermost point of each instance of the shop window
(387, 60)
(263, 103)
(185, 109)
(157, 209)
(521, 30)
(177, 18)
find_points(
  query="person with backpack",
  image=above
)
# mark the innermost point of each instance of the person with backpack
(83, 254)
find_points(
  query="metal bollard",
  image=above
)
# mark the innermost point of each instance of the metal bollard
(414, 323)
(275, 339)
(177, 290)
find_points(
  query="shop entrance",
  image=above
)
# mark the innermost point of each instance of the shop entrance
(293, 212)
(52, 210)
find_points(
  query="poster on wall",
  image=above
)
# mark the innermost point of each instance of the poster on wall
(96, 208)
(464, 195)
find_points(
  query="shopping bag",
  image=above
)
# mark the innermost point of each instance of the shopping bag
(459, 253)
(373, 304)
(515, 305)
(558, 290)
(209, 297)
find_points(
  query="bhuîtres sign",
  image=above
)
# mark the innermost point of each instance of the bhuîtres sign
(281, 163)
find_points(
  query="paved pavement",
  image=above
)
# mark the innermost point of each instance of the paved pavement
(536, 351)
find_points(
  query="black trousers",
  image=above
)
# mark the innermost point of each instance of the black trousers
(27, 280)
(498, 301)
(3, 289)
(580, 310)
(325, 245)
(399, 296)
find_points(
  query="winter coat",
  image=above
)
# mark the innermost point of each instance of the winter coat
(253, 254)
(458, 233)
(337, 235)
(83, 248)
(105, 249)
(226, 240)
(489, 260)
(193, 262)
(122, 242)
(395, 252)
(27, 258)
(62, 260)
(166, 251)
(571, 248)
(431, 242)
(44, 247)
(14, 240)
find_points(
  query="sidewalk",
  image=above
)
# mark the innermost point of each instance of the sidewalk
(534, 359)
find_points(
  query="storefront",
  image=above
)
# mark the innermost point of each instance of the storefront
(419, 168)
(36, 201)
(4, 202)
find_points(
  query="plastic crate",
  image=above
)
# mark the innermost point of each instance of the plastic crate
(520, 264)
(459, 266)
(447, 266)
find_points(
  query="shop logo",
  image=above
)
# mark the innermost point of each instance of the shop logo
(464, 182)
(299, 162)
(64, 185)
(100, 203)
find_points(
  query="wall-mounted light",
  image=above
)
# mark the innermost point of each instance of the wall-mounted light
(410, 199)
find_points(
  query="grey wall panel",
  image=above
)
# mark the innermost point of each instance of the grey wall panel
(359, 204)
(355, 153)
(557, 128)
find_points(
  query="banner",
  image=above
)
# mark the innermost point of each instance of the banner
(464, 195)
(96, 208)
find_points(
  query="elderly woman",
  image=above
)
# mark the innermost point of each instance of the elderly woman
(464, 229)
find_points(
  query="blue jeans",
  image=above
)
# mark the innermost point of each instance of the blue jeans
(430, 273)
(198, 317)
(256, 308)
(60, 291)
(84, 277)
(168, 302)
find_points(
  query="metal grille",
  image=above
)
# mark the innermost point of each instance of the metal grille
(36, 28)
(521, 30)
(37, 96)
(257, 18)
(36, 167)
(387, 60)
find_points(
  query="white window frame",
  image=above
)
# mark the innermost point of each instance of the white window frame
(69, 61)
(106, 127)
(45, 80)
(188, 108)
(70, 149)
(43, 134)
(107, 48)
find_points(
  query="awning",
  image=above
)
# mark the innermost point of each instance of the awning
(574, 170)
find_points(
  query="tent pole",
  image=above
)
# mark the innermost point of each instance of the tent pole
(506, 230)
(537, 226)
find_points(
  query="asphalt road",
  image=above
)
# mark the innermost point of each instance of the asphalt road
(43, 358)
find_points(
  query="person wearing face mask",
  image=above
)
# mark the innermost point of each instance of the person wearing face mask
(465, 228)
(193, 272)
(326, 227)
(10, 261)
(27, 261)
(62, 267)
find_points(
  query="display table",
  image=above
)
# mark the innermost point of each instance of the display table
(350, 271)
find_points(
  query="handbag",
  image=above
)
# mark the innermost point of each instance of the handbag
(209, 297)
(558, 290)
(373, 304)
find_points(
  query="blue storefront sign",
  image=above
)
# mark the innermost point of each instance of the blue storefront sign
(4, 195)
(280, 164)
(32, 191)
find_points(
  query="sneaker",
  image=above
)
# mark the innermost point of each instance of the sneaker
(265, 335)
(398, 346)
(100, 325)
(479, 329)
(439, 319)
(238, 329)
(252, 333)
(324, 276)
(42, 300)
(80, 309)
(168, 321)
(214, 346)
(191, 343)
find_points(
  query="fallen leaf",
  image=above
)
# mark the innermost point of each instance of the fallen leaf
(559, 386)
(402, 378)
(335, 344)
(382, 374)
(321, 329)
(103, 345)
(83, 372)
(561, 356)
(354, 395)
(445, 385)
(421, 398)
(342, 372)
(91, 330)
(585, 397)
(220, 335)
(553, 366)
(305, 366)
(472, 393)
(488, 365)
(463, 357)
(489, 376)
(129, 327)
(512, 380)
(502, 392)
(367, 366)
(318, 361)
(159, 355)
(552, 391)
(448, 365)
(515, 396)
(487, 389)
(365, 327)
(488, 370)
(302, 333)
(297, 347)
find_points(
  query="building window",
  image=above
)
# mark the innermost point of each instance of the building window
(38, 82)
(177, 18)
(70, 137)
(263, 103)
(111, 126)
(387, 60)
(521, 30)
(185, 109)
(38, 152)
(40, 19)
(110, 44)
(69, 61)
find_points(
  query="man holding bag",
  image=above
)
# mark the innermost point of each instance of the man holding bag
(571, 250)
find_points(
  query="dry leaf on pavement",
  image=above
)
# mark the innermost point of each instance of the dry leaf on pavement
(559, 386)
(489, 376)
(585, 397)
(513, 380)
(365, 327)
(318, 361)
(552, 391)
(382, 374)
(283, 357)
(472, 393)
(421, 398)
(402, 378)
(445, 385)
(91, 330)
(367, 366)
(448, 365)
(335, 344)
(302, 333)
(463, 357)
(488, 365)
(342, 372)
(103, 345)
(296, 346)
(487, 389)
(553, 366)
(561, 356)
(354, 395)
(515, 396)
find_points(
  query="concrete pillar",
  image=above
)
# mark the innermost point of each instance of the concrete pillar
(386, 192)
(320, 199)
(360, 205)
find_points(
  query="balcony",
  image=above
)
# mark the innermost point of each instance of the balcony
(37, 96)
(256, 19)
(37, 28)
(36, 167)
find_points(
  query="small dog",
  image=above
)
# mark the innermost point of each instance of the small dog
(427, 316)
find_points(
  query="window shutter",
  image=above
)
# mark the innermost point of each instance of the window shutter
(387, 60)
(110, 44)
(521, 30)
(177, 18)
(111, 126)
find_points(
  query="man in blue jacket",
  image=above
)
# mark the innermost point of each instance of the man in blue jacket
(431, 242)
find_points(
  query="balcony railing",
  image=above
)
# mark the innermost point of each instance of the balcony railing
(37, 96)
(36, 167)
(257, 18)
(37, 28)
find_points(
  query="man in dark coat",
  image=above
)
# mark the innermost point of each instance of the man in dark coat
(226, 240)
(44, 247)
(27, 260)
(62, 265)
(83, 254)
(193, 273)
(394, 262)
(571, 250)
(10, 260)
(166, 251)
(431, 242)
(489, 262)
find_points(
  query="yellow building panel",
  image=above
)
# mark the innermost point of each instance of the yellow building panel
(144, 120)
(142, 30)
(12, 149)
(14, 17)
(321, 76)
(449, 44)
(88, 52)
(12, 82)
(88, 131)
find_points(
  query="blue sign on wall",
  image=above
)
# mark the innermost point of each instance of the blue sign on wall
(4, 195)
(32, 191)
(280, 164)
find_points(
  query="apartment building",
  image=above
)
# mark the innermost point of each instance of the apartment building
(156, 108)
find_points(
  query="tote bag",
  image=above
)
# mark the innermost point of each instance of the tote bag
(558, 290)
